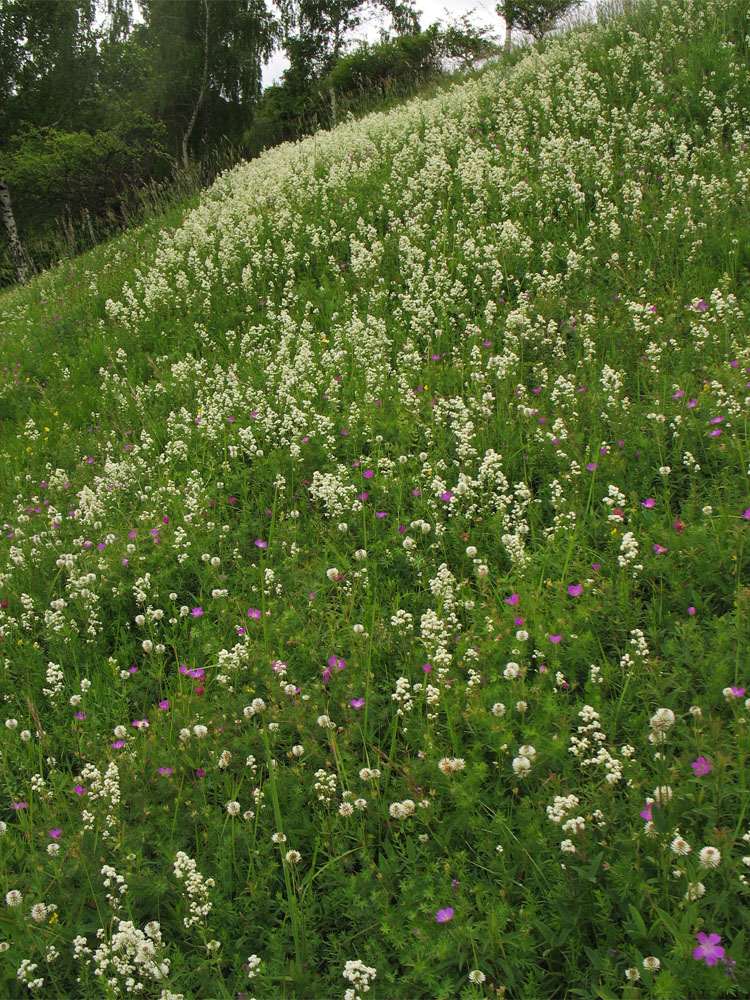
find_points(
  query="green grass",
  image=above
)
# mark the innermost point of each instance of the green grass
(475, 371)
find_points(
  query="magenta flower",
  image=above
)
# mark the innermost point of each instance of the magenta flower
(660, 549)
(555, 638)
(80, 789)
(368, 474)
(737, 691)
(513, 599)
(197, 612)
(646, 813)
(446, 496)
(708, 947)
(357, 703)
(80, 716)
(164, 705)
(648, 502)
(592, 466)
(443, 916)
(427, 667)
(200, 773)
(55, 834)
(575, 589)
(701, 766)
(701, 306)
(253, 613)
(691, 610)
(746, 514)
(261, 544)
(165, 770)
(118, 744)
(18, 805)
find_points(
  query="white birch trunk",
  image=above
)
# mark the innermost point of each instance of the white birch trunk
(9, 222)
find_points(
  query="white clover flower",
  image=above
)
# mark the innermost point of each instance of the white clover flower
(471, 551)
(233, 808)
(527, 751)
(360, 555)
(709, 857)
(13, 898)
(293, 857)
(278, 838)
(483, 571)
(449, 765)
(632, 974)
(522, 706)
(662, 720)
(38, 913)
(498, 709)
(477, 976)
(680, 846)
(521, 766)
(298, 750)
(200, 731)
(651, 963)
(332, 573)
(662, 794)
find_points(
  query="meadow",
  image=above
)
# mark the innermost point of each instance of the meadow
(373, 591)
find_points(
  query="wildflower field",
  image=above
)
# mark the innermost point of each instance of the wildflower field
(373, 584)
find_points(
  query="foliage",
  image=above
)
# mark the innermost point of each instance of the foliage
(535, 17)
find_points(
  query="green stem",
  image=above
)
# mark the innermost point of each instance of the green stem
(296, 929)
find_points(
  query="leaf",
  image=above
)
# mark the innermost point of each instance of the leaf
(637, 918)
(667, 921)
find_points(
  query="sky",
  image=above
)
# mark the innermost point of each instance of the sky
(431, 11)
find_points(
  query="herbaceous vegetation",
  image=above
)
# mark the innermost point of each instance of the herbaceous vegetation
(373, 581)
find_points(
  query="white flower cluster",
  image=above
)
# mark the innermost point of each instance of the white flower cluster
(129, 960)
(590, 738)
(360, 976)
(325, 786)
(196, 889)
(561, 806)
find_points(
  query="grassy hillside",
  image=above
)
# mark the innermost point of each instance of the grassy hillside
(373, 591)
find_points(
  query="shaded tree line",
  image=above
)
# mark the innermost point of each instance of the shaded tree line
(106, 107)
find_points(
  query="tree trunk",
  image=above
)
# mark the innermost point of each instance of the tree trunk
(9, 221)
(508, 32)
(201, 95)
